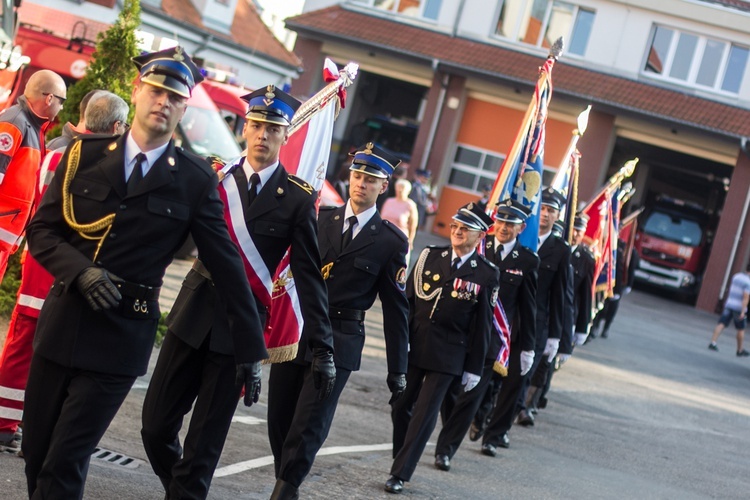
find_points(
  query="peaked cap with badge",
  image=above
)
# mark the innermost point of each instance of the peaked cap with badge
(553, 198)
(512, 211)
(272, 105)
(170, 69)
(581, 221)
(473, 217)
(372, 160)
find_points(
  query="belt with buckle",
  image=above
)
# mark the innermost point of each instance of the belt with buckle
(140, 294)
(351, 314)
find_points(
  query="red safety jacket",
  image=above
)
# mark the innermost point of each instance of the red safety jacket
(21, 152)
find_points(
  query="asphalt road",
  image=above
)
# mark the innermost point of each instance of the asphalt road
(648, 413)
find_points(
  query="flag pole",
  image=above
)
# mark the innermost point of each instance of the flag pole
(317, 102)
(614, 181)
(528, 121)
(571, 156)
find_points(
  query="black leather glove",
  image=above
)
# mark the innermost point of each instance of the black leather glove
(396, 384)
(96, 286)
(249, 374)
(324, 372)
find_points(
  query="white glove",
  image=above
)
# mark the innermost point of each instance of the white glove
(469, 381)
(616, 296)
(564, 358)
(627, 290)
(550, 350)
(527, 359)
(579, 338)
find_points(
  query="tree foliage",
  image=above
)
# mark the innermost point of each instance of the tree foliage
(111, 67)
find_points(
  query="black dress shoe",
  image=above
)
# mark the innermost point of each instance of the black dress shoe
(394, 485)
(525, 419)
(489, 450)
(475, 432)
(284, 491)
(542, 404)
(504, 441)
(442, 462)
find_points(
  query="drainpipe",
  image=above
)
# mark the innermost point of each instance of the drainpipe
(206, 41)
(459, 14)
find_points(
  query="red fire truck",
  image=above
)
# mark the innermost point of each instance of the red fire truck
(672, 241)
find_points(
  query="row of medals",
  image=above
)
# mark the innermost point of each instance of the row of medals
(436, 277)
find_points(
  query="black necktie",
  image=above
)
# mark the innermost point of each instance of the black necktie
(455, 264)
(500, 251)
(137, 174)
(253, 191)
(349, 233)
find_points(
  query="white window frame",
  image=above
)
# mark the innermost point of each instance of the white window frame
(394, 8)
(515, 34)
(695, 62)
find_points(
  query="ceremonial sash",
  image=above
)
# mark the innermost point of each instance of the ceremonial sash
(257, 273)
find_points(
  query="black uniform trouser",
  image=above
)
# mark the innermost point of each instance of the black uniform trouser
(66, 412)
(504, 411)
(183, 376)
(539, 357)
(607, 314)
(414, 416)
(462, 414)
(293, 388)
(482, 416)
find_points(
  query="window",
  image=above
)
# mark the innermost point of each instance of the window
(541, 22)
(696, 60)
(426, 9)
(473, 167)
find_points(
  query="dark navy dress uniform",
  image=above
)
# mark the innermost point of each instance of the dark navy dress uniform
(196, 366)
(517, 294)
(450, 324)
(85, 361)
(373, 264)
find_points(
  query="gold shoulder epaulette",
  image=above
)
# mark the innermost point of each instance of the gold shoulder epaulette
(216, 163)
(302, 184)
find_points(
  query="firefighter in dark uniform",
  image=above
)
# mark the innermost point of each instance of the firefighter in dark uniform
(276, 211)
(107, 228)
(553, 288)
(363, 257)
(578, 323)
(517, 294)
(452, 293)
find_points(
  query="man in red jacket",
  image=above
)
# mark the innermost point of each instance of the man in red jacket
(22, 129)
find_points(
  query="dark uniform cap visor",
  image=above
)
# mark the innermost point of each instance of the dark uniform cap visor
(473, 217)
(167, 82)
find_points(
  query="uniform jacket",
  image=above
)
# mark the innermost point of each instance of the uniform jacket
(450, 333)
(517, 294)
(282, 215)
(21, 150)
(583, 263)
(554, 259)
(373, 264)
(178, 196)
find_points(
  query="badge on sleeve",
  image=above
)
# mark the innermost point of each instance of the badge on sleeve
(6, 142)
(401, 278)
(494, 296)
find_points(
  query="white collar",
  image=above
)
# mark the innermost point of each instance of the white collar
(362, 218)
(264, 174)
(507, 247)
(463, 259)
(543, 238)
(132, 150)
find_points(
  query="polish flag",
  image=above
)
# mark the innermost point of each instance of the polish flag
(306, 156)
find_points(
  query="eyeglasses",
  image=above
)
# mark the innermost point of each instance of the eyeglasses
(61, 99)
(456, 228)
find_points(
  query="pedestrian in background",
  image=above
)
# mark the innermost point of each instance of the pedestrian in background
(420, 194)
(69, 131)
(402, 211)
(735, 309)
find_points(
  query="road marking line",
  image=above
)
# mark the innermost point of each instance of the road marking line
(263, 461)
(247, 420)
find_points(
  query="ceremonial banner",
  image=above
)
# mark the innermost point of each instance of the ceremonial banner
(306, 156)
(520, 178)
